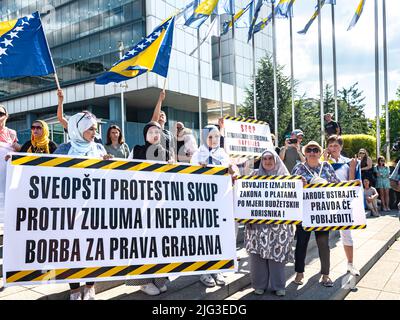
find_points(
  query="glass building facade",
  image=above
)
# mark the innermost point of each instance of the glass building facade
(83, 36)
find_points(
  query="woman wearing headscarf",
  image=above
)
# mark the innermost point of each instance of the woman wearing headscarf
(153, 148)
(210, 153)
(40, 141)
(269, 246)
(82, 129)
(186, 144)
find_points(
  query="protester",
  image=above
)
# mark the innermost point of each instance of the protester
(40, 141)
(346, 169)
(116, 145)
(269, 246)
(277, 149)
(290, 153)
(299, 135)
(382, 173)
(313, 171)
(367, 170)
(186, 144)
(159, 116)
(371, 197)
(395, 182)
(152, 149)
(8, 137)
(82, 130)
(331, 127)
(210, 153)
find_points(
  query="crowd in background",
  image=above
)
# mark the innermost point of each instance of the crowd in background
(270, 247)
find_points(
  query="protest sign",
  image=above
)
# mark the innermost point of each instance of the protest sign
(5, 148)
(268, 199)
(79, 219)
(334, 206)
(246, 138)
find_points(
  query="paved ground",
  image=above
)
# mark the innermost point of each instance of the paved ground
(370, 244)
(382, 282)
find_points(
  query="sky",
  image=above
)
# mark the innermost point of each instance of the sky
(355, 48)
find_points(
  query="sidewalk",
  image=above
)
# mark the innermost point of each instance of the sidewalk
(370, 245)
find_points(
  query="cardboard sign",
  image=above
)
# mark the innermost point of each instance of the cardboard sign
(79, 219)
(268, 199)
(333, 205)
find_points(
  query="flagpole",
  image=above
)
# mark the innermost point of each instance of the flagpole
(56, 78)
(234, 67)
(335, 89)
(292, 70)
(254, 78)
(275, 81)
(321, 88)
(221, 104)
(121, 54)
(385, 79)
(199, 82)
(377, 115)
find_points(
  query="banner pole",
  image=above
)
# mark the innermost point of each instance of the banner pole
(199, 83)
(321, 86)
(275, 79)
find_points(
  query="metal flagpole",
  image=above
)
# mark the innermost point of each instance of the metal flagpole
(221, 104)
(123, 86)
(321, 88)
(253, 47)
(377, 115)
(234, 67)
(291, 70)
(275, 82)
(385, 79)
(199, 82)
(335, 89)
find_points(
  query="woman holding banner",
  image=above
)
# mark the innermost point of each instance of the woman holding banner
(269, 246)
(82, 129)
(313, 171)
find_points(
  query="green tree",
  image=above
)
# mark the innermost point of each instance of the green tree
(394, 120)
(265, 98)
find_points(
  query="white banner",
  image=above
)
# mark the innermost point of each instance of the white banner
(246, 138)
(136, 222)
(5, 148)
(278, 198)
(334, 206)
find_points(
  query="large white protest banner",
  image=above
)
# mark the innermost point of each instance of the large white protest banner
(79, 219)
(268, 199)
(333, 206)
(4, 150)
(246, 137)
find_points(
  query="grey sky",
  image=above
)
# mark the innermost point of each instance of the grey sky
(355, 48)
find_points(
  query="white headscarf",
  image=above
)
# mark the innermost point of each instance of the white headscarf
(279, 168)
(77, 124)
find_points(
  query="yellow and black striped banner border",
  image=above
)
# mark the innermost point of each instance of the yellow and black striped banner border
(249, 157)
(269, 178)
(248, 120)
(80, 163)
(109, 272)
(363, 226)
(331, 185)
(263, 221)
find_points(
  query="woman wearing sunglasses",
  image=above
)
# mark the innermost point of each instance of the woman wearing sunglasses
(313, 171)
(40, 141)
(82, 129)
(366, 164)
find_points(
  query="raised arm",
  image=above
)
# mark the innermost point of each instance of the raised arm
(60, 109)
(157, 109)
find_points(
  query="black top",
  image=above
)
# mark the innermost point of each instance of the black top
(330, 128)
(151, 152)
(28, 144)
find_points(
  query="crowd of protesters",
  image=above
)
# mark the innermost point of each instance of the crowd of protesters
(270, 247)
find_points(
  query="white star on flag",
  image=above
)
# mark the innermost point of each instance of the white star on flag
(132, 52)
(141, 46)
(157, 34)
(13, 35)
(149, 40)
(3, 51)
(7, 42)
(25, 22)
(19, 29)
(30, 17)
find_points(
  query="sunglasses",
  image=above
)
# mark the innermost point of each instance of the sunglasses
(87, 115)
(2, 114)
(36, 127)
(314, 150)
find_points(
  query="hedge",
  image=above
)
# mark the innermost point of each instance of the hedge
(352, 143)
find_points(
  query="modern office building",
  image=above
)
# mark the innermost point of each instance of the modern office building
(84, 37)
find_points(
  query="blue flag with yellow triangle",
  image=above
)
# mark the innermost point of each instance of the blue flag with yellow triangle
(357, 14)
(199, 12)
(23, 48)
(150, 54)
